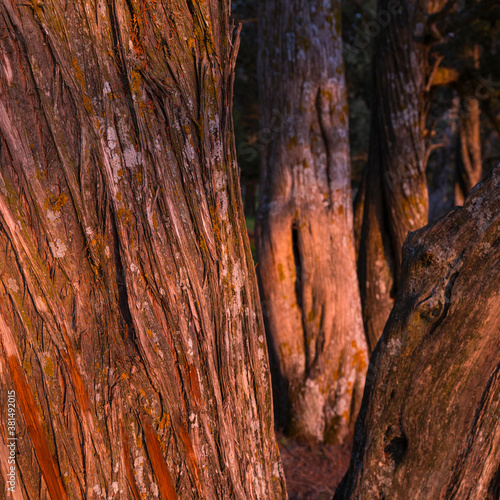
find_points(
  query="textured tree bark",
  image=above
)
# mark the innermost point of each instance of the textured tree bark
(130, 322)
(429, 422)
(305, 229)
(396, 199)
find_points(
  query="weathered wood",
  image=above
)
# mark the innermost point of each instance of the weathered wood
(130, 321)
(428, 426)
(305, 229)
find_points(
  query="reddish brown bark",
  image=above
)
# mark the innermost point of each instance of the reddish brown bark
(129, 315)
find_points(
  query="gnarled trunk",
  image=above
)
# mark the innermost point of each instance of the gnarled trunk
(305, 230)
(130, 323)
(429, 426)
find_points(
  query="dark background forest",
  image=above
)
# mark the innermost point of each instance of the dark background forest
(315, 471)
(359, 28)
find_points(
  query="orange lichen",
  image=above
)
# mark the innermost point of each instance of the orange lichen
(56, 203)
(78, 72)
(359, 360)
(136, 81)
(87, 103)
(124, 216)
(49, 367)
(281, 272)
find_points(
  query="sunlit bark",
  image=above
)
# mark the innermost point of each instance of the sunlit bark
(396, 199)
(130, 322)
(305, 229)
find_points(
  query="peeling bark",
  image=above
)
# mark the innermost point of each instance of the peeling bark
(305, 236)
(429, 418)
(130, 322)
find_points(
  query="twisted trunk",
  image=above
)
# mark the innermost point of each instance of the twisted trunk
(305, 229)
(130, 323)
(429, 419)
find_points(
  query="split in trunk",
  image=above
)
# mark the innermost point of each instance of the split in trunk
(305, 237)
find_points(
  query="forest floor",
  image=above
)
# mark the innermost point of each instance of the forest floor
(313, 472)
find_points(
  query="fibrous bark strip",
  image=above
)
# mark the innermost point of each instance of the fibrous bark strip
(129, 314)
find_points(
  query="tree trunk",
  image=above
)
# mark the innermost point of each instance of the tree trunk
(469, 157)
(396, 198)
(305, 229)
(428, 426)
(442, 174)
(130, 323)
